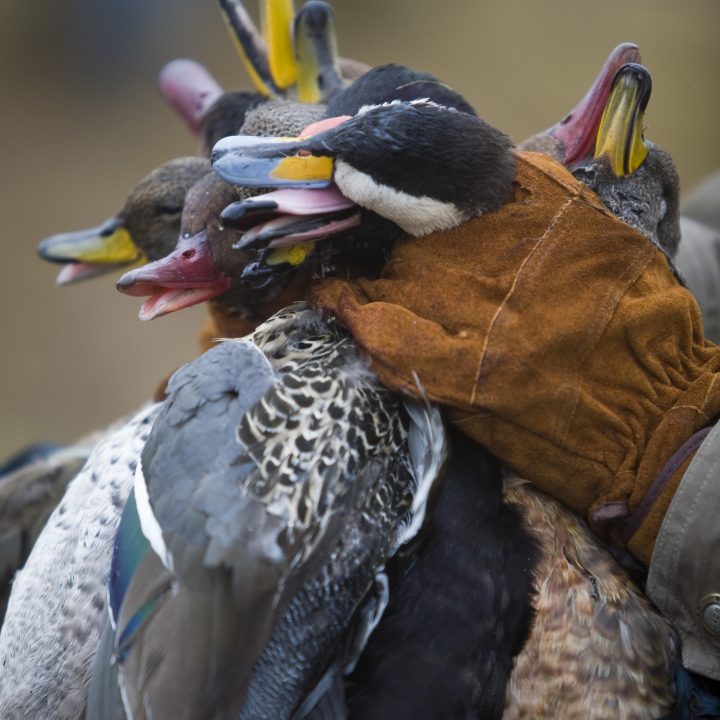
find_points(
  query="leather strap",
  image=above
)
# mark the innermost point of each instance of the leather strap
(687, 449)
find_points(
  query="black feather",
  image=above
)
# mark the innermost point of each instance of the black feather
(394, 82)
(459, 612)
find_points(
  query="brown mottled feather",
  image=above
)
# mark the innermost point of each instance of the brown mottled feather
(598, 650)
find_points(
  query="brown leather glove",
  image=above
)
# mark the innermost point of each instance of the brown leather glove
(558, 338)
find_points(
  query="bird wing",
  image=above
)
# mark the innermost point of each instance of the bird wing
(241, 493)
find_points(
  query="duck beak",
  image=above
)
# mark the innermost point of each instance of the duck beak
(276, 21)
(578, 129)
(186, 277)
(290, 217)
(190, 89)
(259, 162)
(91, 252)
(250, 46)
(316, 50)
(302, 162)
(620, 135)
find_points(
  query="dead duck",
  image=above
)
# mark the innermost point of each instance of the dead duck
(96, 496)
(285, 549)
(143, 229)
(658, 635)
(661, 630)
(46, 663)
(154, 280)
(636, 179)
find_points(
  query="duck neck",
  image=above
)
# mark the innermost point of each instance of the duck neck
(233, 320)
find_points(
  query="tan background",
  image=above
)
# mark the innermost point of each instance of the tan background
(81, 122)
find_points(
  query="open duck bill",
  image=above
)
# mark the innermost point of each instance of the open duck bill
(578, 129)
(313, 210)
(287, 217)
(185, 277)
(92, 252)
(620, 134)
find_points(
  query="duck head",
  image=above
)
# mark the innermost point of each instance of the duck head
(188, 275)
(204, 266)
(636, 179)
(299, 218)
(423, 166)
(386, 83)
(319, 75)
(145, 228)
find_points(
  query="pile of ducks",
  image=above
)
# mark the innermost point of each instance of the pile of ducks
(278, 535)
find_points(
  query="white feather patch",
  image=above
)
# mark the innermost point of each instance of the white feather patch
(415, 215)
(427, 442)
(148, 522)
(418, 102)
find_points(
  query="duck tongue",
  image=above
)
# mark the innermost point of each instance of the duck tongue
(285, 202)
(186, 277)
(286, 217)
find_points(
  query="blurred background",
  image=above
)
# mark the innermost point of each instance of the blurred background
(81, 122)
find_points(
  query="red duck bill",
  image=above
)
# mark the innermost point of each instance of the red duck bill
(190, 90)
(578, 129)
(186, 277)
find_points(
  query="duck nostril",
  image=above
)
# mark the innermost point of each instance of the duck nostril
(566, 119)
(188, 254)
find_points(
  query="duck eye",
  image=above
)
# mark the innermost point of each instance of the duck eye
(169, 209)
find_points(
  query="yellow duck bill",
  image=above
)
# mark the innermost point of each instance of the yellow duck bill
(620, 134)
(91, 252)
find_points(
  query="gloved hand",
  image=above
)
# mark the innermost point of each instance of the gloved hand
(557, 337)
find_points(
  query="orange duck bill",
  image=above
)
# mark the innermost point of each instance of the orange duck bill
(578, 129)
(186, 277)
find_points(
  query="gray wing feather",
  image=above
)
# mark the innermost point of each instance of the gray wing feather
(276, 476)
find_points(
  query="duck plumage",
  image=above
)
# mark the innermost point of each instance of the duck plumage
(57, 603)
(258, 538)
